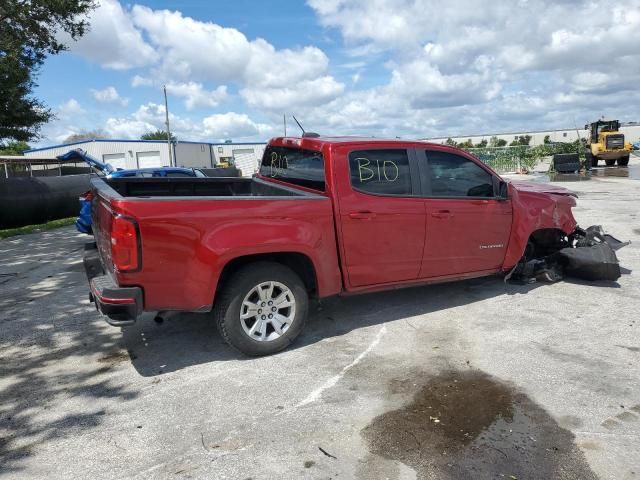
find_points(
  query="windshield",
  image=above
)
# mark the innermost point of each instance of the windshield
(294, 165)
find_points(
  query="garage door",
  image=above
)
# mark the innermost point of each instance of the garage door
(245, 159)
(148, 159)
(116, 160)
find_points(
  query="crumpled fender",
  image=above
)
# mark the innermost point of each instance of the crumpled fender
(537, 206)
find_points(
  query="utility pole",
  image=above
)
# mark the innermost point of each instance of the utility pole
(166, 112)
(284, 120)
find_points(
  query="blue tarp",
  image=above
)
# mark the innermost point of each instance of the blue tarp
(79, 154)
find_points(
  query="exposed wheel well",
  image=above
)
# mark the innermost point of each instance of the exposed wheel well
(298, 262)
(544, 242)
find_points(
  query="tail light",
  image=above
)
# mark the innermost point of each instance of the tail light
(125, 244)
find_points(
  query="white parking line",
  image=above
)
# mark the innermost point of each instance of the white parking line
(331, 382)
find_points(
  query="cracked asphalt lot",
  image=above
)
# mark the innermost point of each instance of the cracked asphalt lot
(476, 379)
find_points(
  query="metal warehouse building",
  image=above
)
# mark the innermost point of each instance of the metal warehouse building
(152, 153)
(631, 130)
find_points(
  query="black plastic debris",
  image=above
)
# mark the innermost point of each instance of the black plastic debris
(598, 262)
(586, 254)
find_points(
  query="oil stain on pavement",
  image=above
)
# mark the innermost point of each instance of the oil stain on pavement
(469, 425)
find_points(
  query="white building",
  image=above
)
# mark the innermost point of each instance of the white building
(631, 131)
(153, 153)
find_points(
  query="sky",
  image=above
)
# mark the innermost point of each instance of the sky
(384, 68)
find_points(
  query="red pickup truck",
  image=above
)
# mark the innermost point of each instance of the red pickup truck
(323, 216)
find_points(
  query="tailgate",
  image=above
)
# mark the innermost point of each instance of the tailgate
(101, 217)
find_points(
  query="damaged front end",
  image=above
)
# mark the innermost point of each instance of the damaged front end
(585, 254)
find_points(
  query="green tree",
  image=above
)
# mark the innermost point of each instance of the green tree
(29, 31)
(547, 139)
(451, 142)
(501, 142)
(466, 144)
(482, 144)
(521, 140)
(85, 135)
(157, 135)
(14, 148)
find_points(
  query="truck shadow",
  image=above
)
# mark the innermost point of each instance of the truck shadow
(185, 340)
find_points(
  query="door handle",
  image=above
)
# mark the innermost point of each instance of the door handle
(479, 202)
(362, 215)
(442, 214)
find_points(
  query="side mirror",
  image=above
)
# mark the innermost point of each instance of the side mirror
(503, 190)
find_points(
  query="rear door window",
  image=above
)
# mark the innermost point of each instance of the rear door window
(294, 165)
(381, 171)
(453, 175)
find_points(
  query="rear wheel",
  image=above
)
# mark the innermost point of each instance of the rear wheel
(610, 163)
(262, 309)
(623, 161)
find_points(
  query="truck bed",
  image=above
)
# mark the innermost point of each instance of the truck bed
(190, 228)
(201, 187)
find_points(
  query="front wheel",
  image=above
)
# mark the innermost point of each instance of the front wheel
(262, 308)
(623, 161)
(610, 163)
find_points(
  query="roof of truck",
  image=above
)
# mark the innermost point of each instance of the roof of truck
(323, 140)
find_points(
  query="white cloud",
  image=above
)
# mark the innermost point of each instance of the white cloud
(193, 51)
(70, 108)
(233, 125)
(221, 126)
(425, 86)
(195, 95)
(109, 95)
(70, 117)
(148, 117)
(469, 66)
(140, 81)
(304, 93)
(112, 40)
(420, 67)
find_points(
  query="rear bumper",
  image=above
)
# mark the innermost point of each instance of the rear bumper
(121, 305)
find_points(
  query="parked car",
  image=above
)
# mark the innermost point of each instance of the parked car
(324, 216)
(83, 222)
(636, 146)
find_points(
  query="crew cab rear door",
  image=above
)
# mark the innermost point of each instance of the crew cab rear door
(468, 226)
(381, 214)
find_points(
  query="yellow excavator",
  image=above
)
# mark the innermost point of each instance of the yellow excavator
(606, 142)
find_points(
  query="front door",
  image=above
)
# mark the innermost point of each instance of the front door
(468, 228)
(382, 217)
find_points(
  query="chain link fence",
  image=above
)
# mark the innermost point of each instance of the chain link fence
(521, 157)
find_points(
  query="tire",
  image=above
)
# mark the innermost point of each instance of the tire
(610, 163)
(623, 161)
(256, 285)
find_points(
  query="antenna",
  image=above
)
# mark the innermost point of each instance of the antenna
(284, 119)
(294, 117)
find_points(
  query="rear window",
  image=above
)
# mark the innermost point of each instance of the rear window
(294, 165)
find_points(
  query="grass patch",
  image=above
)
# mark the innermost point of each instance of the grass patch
(12, 232)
